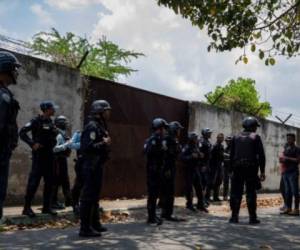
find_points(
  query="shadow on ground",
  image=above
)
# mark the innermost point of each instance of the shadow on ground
(198, 232)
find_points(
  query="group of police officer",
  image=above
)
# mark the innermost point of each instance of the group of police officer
(51, 147)
(242, 158)
(206, 166)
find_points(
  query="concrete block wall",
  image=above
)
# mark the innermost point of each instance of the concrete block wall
(273, 134)
(40, 80)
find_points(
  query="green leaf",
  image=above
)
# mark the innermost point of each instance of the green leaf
(240, 95)
(267, 62)
(105, 59)
(236, 24)
(261, 54)
(272, 61)
(245, 59)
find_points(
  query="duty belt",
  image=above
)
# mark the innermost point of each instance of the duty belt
(243, 163)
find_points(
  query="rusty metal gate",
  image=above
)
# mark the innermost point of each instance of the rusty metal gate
(133, 111)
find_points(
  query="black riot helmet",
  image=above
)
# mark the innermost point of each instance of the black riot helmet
(45, 105)
(250, 124)
(9, 64)
(228, 138)
(192, 137)
(174, 127)
(206, 132)
(61, 122)
(158, 123)
(99, 106)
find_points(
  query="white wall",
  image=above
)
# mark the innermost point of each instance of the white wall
(273, 134)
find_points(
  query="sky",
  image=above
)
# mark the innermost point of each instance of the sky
(176, 64)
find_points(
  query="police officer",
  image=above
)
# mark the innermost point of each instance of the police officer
(226, 167)
(247, 157)
(9, 108)
(216, 168)
(79, 180)
(205, 147)
(155, 153)
(172, 150)
(95, 143)
(41, 142)
(61, 151)
(191, 156)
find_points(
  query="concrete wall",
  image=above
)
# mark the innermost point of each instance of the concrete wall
(40, 80)
(273, 134)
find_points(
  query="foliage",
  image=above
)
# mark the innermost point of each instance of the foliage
(240, 95)
(105, 59)
(267, 27)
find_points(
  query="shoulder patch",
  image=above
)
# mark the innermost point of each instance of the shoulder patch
(153, 142)
(28, 124)
(93, 135)
(6, 97)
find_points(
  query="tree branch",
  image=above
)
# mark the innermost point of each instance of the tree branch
(279, 17)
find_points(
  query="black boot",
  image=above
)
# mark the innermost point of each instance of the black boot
(48, 210)
(216, 194)
(154, 221)
(191, 207)
(29, 212)
(85, 221)
(234, 219)
(68, 201)
(202, 209)
(158, 220)
(27, 209)
(76, 210)
(96, 225)
(235, 208)
(58, 206)
(88, 233)
(251, 203)
(253, 221)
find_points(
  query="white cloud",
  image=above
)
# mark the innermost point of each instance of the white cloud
(71, 4)
(3, 31)
(177, 62)
(43, 15)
